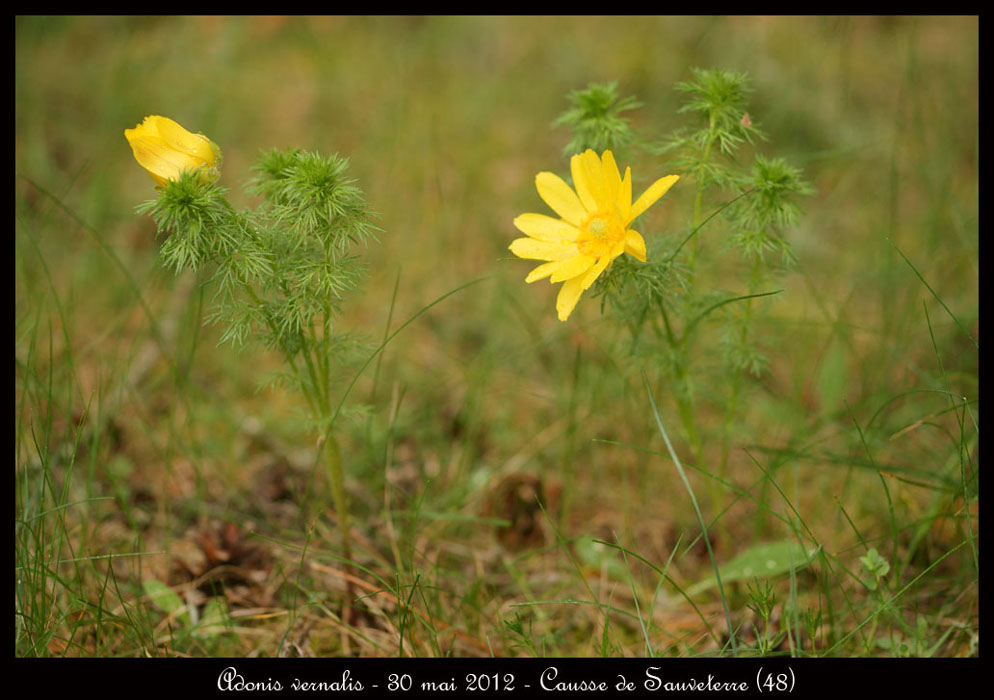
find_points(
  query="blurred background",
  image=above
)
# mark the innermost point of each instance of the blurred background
(180, 471)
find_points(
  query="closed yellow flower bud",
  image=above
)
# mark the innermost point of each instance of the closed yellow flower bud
(165, 149)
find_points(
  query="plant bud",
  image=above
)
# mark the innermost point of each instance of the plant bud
(165, 149)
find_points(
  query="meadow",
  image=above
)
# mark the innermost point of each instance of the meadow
(517, 485)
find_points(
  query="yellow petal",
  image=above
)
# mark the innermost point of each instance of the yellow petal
(612, 178)
(161, 162)
(588, 178)
(569, 294)
(635, 245)
(560, 270)
(542, 271)
(532, 249)
(545, 228)
(649, 197)
(197, 147)
(571, 267)
(558, 195)
(595, 271)
(625, 196)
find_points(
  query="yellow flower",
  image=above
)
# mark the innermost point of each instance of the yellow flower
(593, 226)
(165, 149)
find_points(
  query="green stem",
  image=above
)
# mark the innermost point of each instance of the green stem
(697, 511)
(333, 459)
(319, 386)
(684, 396)
(320, 370)
(699, 199)
(733, 399)
(685, 399)
(319, 404)
(336, 478)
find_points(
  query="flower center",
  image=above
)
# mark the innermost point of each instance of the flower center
(600, 235)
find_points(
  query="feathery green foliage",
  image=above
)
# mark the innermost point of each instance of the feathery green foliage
(596, 118)
(663, 302)
(282, 272)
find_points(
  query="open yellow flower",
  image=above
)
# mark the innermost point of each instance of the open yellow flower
(165, 149)
(593, 226)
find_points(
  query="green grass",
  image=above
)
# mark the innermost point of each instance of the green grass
(159, 506)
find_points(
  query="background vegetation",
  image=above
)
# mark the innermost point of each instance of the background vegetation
(159, 491)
